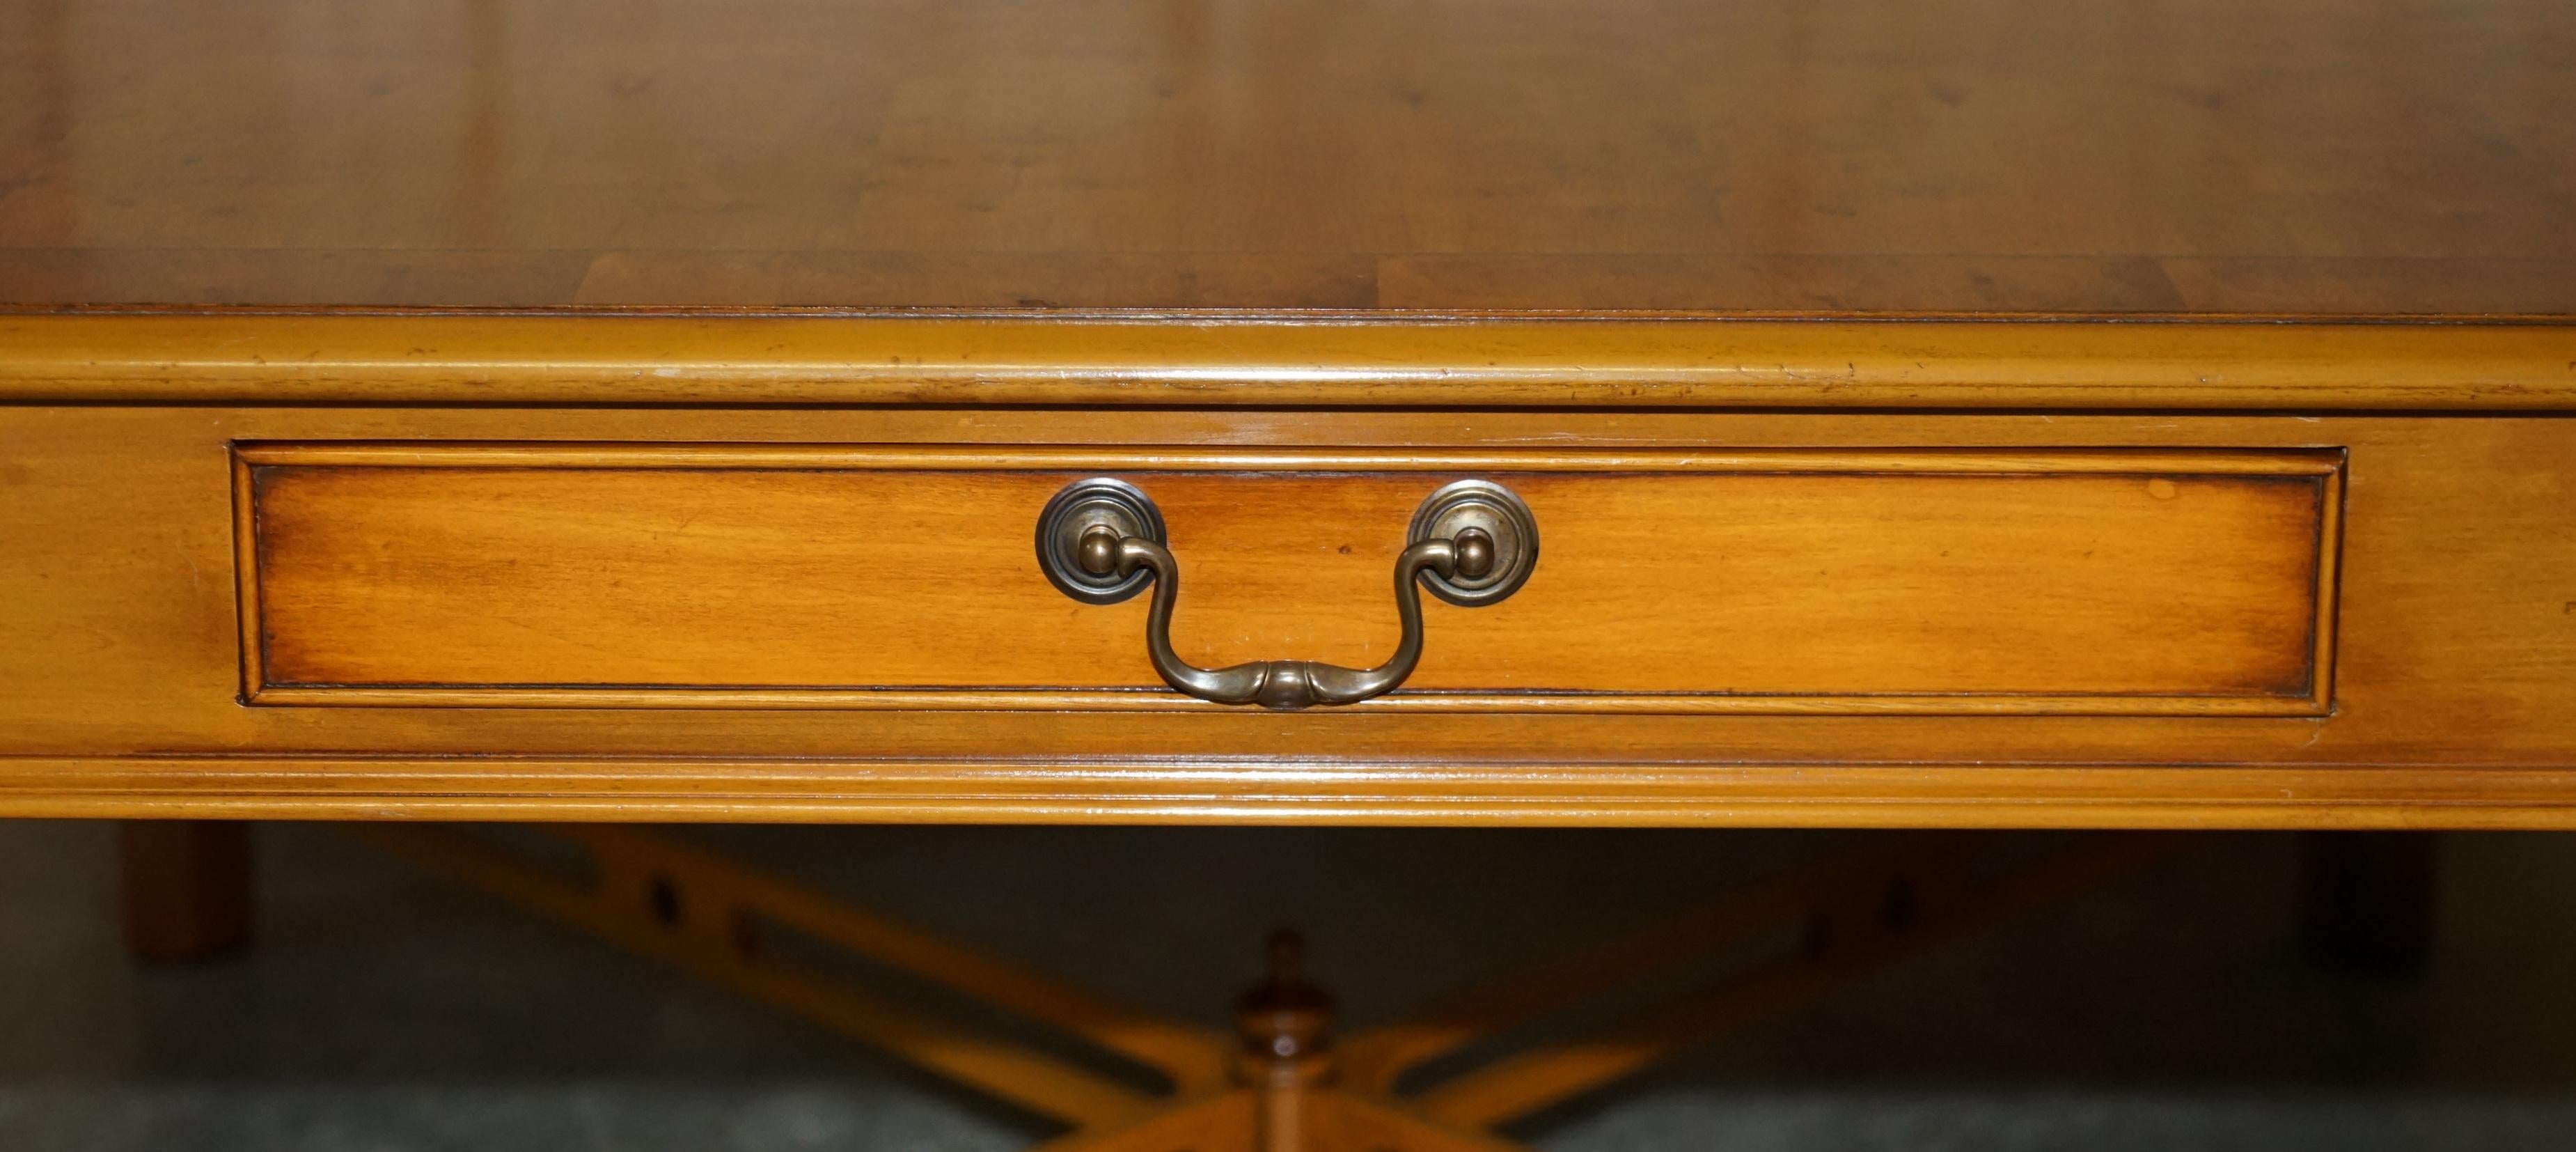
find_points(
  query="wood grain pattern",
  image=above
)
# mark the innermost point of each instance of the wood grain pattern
(783, 576)
(1223, 362)
(1442, 231)
(2454, 686)
(1392, 792)
(2324, 156)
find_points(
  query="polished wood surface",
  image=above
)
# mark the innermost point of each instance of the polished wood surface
(2302, 156)
(1926, 581)
(1345, 247)
(1248, 790)
(2454, 660)
(1240, 362)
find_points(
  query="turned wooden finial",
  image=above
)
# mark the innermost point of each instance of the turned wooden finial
(1285, 1017)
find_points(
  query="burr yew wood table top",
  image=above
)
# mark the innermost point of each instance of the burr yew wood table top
(2347, 157)
(1960, 413)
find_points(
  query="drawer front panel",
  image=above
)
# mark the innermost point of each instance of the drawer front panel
(2088, 581)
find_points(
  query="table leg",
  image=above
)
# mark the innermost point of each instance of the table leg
(187, 889)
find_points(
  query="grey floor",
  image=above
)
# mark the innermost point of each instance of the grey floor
(387, 1009)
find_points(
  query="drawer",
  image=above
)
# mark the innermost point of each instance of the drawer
(2091, 581)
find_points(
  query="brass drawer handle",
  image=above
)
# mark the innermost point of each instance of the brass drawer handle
(1101, 541)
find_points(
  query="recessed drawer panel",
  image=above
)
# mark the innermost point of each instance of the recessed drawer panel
(2098, 581)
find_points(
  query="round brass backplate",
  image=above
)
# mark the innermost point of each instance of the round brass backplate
(1078, 508)
(1493, 509)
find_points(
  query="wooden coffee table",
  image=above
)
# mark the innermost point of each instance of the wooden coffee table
(1933, 416)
